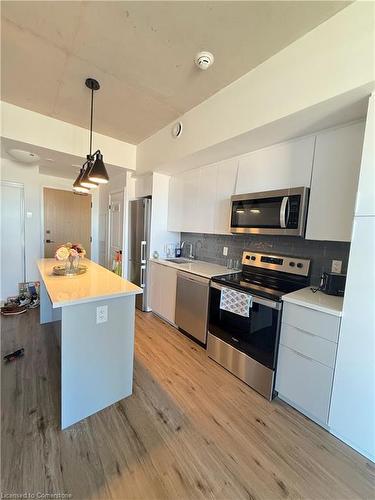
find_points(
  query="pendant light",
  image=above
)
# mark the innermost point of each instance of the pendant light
(93, 171)
(77, 187)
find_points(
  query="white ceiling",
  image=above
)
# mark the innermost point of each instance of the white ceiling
(141, 52)
(53, 162)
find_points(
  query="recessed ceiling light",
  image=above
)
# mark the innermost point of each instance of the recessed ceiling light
(23, 156)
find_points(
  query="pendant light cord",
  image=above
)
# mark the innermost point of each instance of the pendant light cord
(91, 118)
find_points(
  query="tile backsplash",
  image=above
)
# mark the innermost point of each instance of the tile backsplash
(209, 247)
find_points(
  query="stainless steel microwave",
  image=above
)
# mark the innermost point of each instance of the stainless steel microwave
(271, 212)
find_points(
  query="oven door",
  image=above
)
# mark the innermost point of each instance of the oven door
(257, 336)
(272, 212)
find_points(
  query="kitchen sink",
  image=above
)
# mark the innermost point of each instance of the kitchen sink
(180, 260)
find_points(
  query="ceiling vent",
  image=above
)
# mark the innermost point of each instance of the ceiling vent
(204, 60)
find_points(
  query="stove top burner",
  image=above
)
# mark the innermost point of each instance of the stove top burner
(268, 276)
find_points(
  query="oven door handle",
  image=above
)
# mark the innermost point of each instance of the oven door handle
(257, 300)
(284, 212)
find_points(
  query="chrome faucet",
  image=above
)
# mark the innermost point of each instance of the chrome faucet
(191, 255)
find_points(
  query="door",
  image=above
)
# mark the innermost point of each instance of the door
(67, 217)
(256, 336)
(116, 221)
(12, 238)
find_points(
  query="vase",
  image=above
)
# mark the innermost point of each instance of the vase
(71, 265)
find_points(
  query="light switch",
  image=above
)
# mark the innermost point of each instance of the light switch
(101, 314)
(29, 215)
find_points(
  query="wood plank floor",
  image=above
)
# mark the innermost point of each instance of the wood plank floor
(190, 430)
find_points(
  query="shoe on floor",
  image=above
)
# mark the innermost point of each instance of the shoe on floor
(12, 310)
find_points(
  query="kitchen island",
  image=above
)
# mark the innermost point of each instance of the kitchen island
(97, 311)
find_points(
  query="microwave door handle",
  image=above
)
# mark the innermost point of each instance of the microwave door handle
(284, 212)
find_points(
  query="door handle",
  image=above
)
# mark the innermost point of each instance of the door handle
(50, 241)
(284, 212)
(142, 280)
(143, 252)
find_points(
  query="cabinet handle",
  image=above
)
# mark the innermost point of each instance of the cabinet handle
(307, 333)
(302, 355)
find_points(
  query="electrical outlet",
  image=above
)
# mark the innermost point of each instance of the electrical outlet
(336, 266)
(101, 314)
(225, 251)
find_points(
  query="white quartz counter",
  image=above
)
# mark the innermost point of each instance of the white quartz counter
(319, 301)
(97, 283)
(198, 267)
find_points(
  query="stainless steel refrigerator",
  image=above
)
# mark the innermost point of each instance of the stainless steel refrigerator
(139, 248)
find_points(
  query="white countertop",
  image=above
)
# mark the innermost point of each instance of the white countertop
(95, 284)
(198, 267)
(319, 301)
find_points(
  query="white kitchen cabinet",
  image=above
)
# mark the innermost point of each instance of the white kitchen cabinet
(306, 360)
(192, 201)
(175, 203)
(282, 166)
(334, 183)
(304, 383)
(366, 198)
(163, 284)
(225, 188)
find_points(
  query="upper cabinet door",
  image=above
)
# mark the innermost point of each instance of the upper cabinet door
(175, 203)
(334, 183)
(225, 188)
(205, 198)
(365, 197)
(281, 166)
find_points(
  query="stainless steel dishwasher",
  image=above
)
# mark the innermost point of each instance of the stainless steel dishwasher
(192, 305)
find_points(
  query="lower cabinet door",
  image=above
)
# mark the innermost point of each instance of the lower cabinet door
(304, 383)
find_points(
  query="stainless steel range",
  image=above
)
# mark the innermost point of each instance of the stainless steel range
(245, 314)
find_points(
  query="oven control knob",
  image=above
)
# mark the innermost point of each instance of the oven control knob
(292, 264)
(299, 265)
(253, 257)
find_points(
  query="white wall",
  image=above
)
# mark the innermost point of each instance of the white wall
(331, 60)
(33, 184)
(27, 126)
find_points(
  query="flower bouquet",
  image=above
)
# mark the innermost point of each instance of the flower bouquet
(70, 254)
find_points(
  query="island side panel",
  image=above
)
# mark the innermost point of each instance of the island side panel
(96, 359)
(47, 313)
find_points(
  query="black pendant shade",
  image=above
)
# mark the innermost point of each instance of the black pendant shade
(77, 187)
(93, 172)
(98, 172)
(85, 179)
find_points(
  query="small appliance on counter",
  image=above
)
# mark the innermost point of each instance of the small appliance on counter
(333, 284)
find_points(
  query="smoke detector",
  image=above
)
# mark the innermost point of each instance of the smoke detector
(23, 156)
(204, 60)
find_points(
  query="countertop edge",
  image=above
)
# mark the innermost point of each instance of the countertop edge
(67, 303)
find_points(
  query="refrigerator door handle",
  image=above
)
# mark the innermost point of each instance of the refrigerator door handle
(143, 252)
(143, 271)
